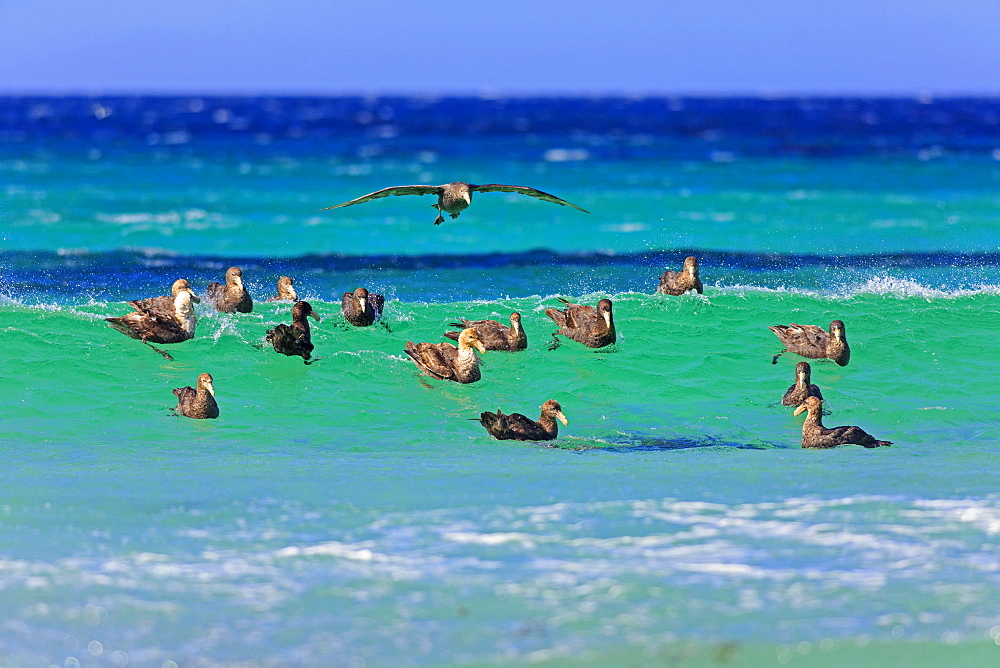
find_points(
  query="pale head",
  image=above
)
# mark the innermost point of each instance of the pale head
(234, 276)
(469, 339)
(179, 284)
(205, 381)
(811, 404)
(691, 265)
(552, 407)
(285, 289)
(182, 303)
(515, 320)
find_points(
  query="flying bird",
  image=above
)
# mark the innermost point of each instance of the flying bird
(454, 198)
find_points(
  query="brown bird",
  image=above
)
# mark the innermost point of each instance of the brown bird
(678, 282)
(232, 296)
(518, 427)
(815, 435)
(361, 308)
(286, 291)
(164, 303)
(802, 388)
(592, 327)
(494, 335)
(454, 198)
(814, 342)
(153, 326)
(445, 361)
(294, 339)
(197, 403)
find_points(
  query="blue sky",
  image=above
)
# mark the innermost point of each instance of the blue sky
(442, 46)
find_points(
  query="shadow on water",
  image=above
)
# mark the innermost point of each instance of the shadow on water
(637, 442)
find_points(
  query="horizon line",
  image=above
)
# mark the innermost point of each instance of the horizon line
(488, 94)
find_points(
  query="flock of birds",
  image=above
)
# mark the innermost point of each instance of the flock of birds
(171, 319)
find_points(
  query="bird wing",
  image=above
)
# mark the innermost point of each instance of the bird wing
(392, 190)
(347, 304)
(185, 395)
(161, 303)
(810, 335)
(377, 302)
(581, 316)
(438, 359)
(523, 190)
(523, 425)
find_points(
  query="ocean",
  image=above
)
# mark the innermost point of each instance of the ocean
(352, 512)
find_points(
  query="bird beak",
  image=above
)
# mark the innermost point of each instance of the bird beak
(315, 315)
(607, 318)
(194, 297)
(479, 346)
(364, 303)
(467, 198)
(562, 418)
(211, 390)
(801, 409)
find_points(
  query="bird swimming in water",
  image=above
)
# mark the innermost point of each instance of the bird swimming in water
(445, 361)
(678, 282)
(164, 303)
(286, 291)
(802, 388)
(232, 296)
(197, 403)
(814, 342)
(454, 198)
(815, 435)
(594, 328)
(361, 308)
(150, 325)
(294, 339)
(495, 335)
(518, 427)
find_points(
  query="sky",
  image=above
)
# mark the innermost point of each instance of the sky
(589, 47)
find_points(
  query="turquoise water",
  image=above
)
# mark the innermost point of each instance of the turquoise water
(351, 512)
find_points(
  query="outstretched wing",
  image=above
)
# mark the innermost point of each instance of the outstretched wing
(394, 190)
(523, 190)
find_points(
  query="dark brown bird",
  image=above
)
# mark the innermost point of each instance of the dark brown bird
(197, 403)
(294, 339)
(361, 308)
(153, 326)
(814, 342)
(592, 327)
(815, 435)
(445, 361)
(454, 198)
(678, 282)
(495, 335)
(232, 296)
(286, 291)
(802, 388)
(518, 427)
(164, 303)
